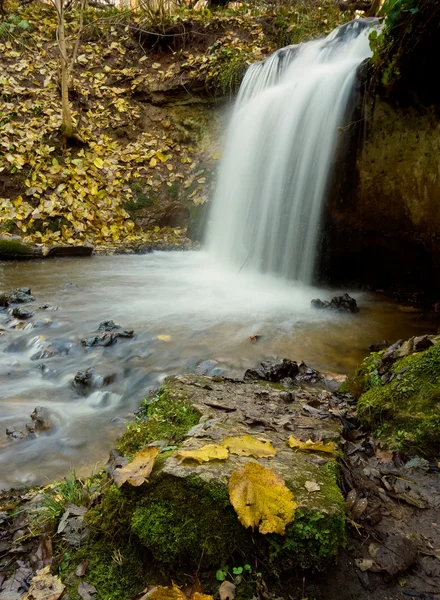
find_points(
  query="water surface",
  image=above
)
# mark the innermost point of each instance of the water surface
(207, 311)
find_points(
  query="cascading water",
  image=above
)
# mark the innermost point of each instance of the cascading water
(279, 151)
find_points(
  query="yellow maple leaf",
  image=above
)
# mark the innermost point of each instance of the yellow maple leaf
(137, 472)
(248, 445)
(261, 499)
(205, 453)
(310, 446)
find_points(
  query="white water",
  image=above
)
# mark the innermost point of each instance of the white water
(279, 151)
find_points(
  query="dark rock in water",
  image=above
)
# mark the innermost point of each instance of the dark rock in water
(378, 346)
(87, 381)
(274, 372)
(108, 326)
(22, 313)
(208, 367)
(106, 339)
(41, 418)
(56, 348)
(308, 375)
(14, 434)
(344, 303)
(18, 296)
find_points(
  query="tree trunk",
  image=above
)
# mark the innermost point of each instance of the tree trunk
(66, 125)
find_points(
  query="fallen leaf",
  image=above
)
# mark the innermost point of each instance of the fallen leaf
(261, 499)
(45, 586)
(137, 472)
(312, 486)
(248, 445)
(172, 593)
(205, 453)
(226, 591)
(310, 446)
(164, 338)
(85, 590)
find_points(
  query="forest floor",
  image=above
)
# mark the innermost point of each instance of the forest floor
(149, 99)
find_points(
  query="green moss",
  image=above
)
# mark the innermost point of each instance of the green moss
(178, 521)
(111, 518)
(405, 412)
(117, 571)
(365, 378)
(161, 417)
(14, 247)
(313, 539)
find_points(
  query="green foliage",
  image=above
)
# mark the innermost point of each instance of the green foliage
(12, 27)
(366, 376)
(71, 490)
(405, 412)
(13, 247)
(160, 417)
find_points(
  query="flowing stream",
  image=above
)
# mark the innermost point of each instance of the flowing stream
(279, 151)
(207, 310)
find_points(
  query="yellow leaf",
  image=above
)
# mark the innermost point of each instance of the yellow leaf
(172, 593)
(261, 499)
(164, 338)
(137, 472)
(153, 162)
(311, 446)
(161, 156)
(216, 156)
(205, 453)
(248, 445)
(98, 162)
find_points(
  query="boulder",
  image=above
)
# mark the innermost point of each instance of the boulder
(344, 303)
(184, 511)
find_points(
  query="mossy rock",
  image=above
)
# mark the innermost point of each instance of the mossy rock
(13, 249)
(405, 413)
(183, 513)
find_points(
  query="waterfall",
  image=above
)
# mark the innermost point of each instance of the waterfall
(280, 146)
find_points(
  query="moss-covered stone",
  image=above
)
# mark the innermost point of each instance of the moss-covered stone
(161, 417)
(365, 378)
(15, 248)
(180, 520)
(406, 411)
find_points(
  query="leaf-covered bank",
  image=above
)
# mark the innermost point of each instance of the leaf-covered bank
(143, 94)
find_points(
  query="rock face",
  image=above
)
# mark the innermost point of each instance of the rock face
(344, 303)
(199, 492)
(381, 226)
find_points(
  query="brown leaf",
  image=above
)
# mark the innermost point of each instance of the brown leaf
(44, 553)
(81, 569)
(227, 591)
(85, 590)
(137, 472)
(45, 586)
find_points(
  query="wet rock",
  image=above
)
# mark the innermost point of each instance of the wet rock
(104, 339)
(42, 419)
(422, 342)
(56, 348)
(107, 338)
(344, 303)
(378, 346)
(86, 381)
(108, 326)
(208, 367)
(14, 434)
(274, 371)
(20, 312)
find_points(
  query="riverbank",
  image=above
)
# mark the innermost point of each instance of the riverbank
(121, 532)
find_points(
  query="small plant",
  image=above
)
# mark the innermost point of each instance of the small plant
(12, 27)
(224, 572)
(71, 490)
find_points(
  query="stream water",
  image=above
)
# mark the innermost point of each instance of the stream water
(207, 310)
